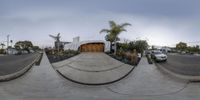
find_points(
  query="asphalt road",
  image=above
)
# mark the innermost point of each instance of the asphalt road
(13, 63)
(182, 64)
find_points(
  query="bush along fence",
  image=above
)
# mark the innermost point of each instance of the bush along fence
(130, 58)
(150, 61)
(55, 56)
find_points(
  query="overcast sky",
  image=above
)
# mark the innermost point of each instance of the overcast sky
(161, 22)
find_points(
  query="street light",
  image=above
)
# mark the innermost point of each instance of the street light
(11, 41)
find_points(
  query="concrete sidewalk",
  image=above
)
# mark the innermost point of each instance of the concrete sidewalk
(44, 83)
(147, 80)
(93, 69)
(144, 83)
(2, 55)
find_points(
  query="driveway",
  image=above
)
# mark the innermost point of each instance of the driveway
(93, 69)
(182, 64)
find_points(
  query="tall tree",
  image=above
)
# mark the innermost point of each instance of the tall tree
(25, 45)
(2, 45)
(181, 46)
(114, 31)
(193, 49)
(141, 45)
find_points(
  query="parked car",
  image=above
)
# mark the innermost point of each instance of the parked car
(158, 56)
(31, 51)
(12, 51)
(24, 52)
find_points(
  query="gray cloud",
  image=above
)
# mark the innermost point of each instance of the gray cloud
(163, 22)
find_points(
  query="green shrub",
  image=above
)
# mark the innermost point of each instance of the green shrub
(150, 61)
(2, 51)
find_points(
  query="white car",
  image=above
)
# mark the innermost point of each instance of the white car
(159, 56)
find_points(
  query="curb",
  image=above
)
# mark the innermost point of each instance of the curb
(95, 84)
(180, 76)
(18, 73)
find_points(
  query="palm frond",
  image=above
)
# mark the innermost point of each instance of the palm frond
(124, 24)
(122, 29)
(112, 24)
(104, 30)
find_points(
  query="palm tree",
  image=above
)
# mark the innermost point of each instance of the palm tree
(110, 38)
(114, 31)
(2, 45)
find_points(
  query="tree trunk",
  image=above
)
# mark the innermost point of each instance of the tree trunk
(110, 47)
(115, 47)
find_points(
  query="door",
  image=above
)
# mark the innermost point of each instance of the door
(92, 47)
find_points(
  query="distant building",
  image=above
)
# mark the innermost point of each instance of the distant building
(166, 49)
(88, 46)
(163, 49)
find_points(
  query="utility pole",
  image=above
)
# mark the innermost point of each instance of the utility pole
(8, 42)
(8, 36)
